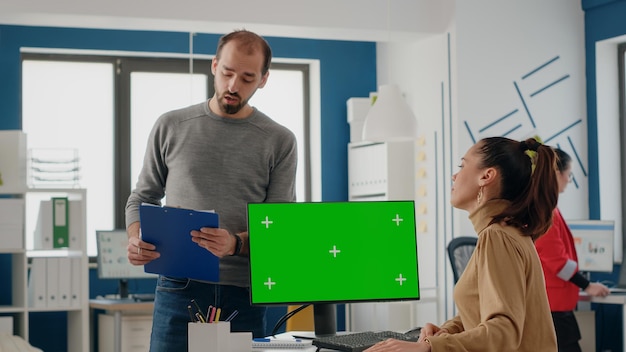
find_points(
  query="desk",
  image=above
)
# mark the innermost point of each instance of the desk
(613, 298)
(118, 307)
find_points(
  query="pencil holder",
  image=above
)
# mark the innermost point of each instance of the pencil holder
(240, 341)
(209, 337)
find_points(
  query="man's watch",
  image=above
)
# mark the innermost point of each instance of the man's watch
(238, 244)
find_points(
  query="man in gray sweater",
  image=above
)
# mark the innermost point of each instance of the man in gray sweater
(218, 155)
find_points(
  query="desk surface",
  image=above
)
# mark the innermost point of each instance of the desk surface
(120, 304)
(613, 298)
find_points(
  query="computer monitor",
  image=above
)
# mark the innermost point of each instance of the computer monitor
(324, 253)
(113, 260)
(593, 240)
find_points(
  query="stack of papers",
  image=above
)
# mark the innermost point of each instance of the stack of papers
(271, 342)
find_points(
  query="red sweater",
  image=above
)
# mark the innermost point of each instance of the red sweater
(559, 261)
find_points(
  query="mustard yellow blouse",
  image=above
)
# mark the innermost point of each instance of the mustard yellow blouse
(501, 296)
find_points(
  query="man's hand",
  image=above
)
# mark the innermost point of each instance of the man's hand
(138, 251)
(217, 241)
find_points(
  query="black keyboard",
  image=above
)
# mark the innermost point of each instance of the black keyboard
(359, 341)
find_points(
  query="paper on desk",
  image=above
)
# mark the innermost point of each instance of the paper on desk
(271, 342)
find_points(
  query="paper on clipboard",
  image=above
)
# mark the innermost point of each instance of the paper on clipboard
(169, 229)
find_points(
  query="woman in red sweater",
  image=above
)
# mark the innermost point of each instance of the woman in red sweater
(560, 267)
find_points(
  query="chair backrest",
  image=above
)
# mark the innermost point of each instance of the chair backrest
(460, 250)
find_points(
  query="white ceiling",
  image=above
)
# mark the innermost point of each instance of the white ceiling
(367, 20)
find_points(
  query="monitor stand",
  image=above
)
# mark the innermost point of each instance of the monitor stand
(325, 319)
(123, 288)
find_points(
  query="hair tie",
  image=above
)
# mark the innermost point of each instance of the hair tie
(530, 144)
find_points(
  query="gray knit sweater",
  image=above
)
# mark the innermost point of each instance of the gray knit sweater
(206, 162)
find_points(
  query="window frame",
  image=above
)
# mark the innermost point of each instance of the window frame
(621, 71)
(124, 66)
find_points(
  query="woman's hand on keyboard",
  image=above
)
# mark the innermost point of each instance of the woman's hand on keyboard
(393, 345)
(429, 330)
(597, 289)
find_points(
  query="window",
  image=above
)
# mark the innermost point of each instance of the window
(69, 105)
(104, 108)
(294, 115)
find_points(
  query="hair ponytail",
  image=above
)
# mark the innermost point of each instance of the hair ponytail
(528, 180)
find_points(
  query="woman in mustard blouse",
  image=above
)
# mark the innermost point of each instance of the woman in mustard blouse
(501, 296)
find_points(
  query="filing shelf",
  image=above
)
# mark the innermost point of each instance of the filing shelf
(19, 309)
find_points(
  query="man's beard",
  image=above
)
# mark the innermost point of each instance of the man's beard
(230, 108)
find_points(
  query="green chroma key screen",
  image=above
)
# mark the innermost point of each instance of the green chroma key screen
(332, 252)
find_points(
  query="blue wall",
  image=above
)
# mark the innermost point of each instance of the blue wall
(604, 19)
(348, 69)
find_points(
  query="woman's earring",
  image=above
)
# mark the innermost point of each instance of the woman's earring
(479, 198)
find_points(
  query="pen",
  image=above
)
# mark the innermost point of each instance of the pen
(217, 314)
(193, 320)
(265, 339)
(200, 319)
(208, 312)
(232, 315)
(212, 315)
(199, 310)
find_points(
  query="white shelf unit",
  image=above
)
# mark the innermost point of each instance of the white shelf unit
(394, 170)
(381, 170)
(19, 308)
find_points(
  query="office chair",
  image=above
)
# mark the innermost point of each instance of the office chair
(460, 250)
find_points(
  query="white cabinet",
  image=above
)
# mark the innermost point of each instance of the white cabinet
(399, 170)
(135, 333)
(69, 291)
(381, 171)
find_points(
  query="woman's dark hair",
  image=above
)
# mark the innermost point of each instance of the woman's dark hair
(249, 40)
(531, 187)
(562, 159)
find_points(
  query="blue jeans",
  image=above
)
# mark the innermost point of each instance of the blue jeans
(170, 317)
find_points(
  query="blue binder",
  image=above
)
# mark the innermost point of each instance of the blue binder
(169, 229)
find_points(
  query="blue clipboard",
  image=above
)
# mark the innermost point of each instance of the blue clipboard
(169, 229)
